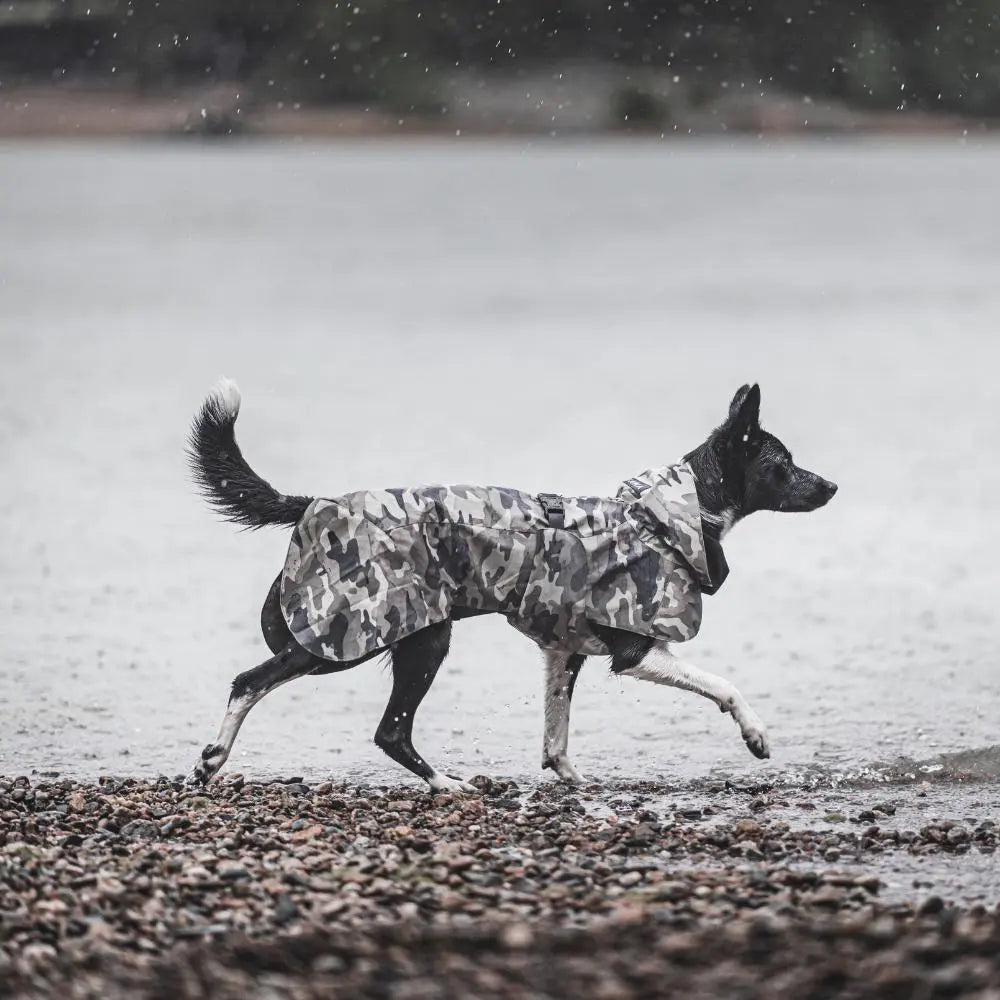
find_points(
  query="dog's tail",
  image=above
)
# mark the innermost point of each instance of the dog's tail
(224, 476)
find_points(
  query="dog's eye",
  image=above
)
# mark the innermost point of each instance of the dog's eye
(780, 473)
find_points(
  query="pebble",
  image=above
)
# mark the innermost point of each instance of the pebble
(229, 872)
(140, 829)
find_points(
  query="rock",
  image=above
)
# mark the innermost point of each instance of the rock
(232, 872)
(747, 829)
(305, 833)
(517, 936)
(642, 835)
(286, 909)
(828, 896)
(327, 964)
(37, 955)
(140, 829)
(870, 883)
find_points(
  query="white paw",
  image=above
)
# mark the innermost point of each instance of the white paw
(212, 759)
(565, 770)
(446, 783)
(197, 777)
(755, 736)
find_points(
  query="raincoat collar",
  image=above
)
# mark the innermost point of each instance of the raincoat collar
(669, 498)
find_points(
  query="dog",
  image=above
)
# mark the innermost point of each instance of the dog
(389, 571)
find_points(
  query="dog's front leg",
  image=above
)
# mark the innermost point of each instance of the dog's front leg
(660, 666)
(560, 677)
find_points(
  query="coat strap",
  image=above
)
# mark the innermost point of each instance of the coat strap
(555, 510)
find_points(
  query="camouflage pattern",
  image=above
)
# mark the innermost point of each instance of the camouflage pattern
(367, 569)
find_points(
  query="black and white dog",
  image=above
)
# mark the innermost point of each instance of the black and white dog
(738, 469)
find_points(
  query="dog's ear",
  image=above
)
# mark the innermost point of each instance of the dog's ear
(741, 394)
(744, 414)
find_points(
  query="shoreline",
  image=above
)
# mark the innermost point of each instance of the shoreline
(118, 887)
(37, 111)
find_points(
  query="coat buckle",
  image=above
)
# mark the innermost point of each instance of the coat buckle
(554, 509)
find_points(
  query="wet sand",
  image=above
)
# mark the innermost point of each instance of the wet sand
(552, 318)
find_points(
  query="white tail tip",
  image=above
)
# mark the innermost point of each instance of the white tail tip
(228, 392)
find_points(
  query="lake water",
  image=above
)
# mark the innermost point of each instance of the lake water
(547, 316)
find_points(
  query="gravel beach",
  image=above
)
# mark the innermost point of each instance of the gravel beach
(129, 888)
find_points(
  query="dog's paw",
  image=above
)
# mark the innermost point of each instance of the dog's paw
(212, 759)
(449, 783)
(755, 737)
(198, 778)
(564, 770)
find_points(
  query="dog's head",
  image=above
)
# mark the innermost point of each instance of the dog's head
(742, 468)
(758, 468)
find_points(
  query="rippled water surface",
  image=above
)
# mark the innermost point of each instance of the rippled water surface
(551, 317)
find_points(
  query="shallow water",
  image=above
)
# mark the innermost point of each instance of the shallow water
(553, 317)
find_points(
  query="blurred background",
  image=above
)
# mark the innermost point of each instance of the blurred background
(525, 244)
(553, 67)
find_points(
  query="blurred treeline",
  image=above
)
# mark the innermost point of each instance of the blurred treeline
(879, 54)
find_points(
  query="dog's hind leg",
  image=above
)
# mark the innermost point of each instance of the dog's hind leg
(560, 678)
(660, 666)
(415, 662)
(248, 688)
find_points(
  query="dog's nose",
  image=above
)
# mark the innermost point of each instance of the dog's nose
(831, 488)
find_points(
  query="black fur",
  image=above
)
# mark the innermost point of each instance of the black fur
(277, 635)
(573, 665)
(415, 663)
(288, 663)
(224, 477)
(628, 649)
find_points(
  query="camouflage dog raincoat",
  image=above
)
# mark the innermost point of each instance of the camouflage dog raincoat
(369, 568)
